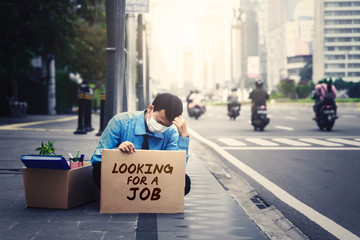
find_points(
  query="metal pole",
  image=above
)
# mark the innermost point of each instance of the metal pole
(115, 21)
(140, 64)
(147, 89)
(51, 87)
(131, 62)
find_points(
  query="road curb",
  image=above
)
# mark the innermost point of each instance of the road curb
(268, 219)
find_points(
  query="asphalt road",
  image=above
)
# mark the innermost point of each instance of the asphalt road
(309, 174)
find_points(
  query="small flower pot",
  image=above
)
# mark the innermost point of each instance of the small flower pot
(75, 164)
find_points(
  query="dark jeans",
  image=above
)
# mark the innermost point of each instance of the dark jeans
(97, 177)
(325, 101)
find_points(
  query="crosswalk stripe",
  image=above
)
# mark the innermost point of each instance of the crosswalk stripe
(344, 141)
(320, 142)
(261, 142)
(291, 142)
(357, 139)
(284, 128)
(231, 142)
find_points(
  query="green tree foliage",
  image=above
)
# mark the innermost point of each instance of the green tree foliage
(71, 30)
(303, 89)
(353, 89)
(287, 87)
(306, 73)
(88, 56)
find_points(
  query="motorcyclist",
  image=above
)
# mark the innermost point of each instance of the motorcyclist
(325, 93)
(233, 100)
(195, 99)
(258, 96)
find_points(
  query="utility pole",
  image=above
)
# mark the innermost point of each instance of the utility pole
(115, 56)
(140, 64)
(131, 61)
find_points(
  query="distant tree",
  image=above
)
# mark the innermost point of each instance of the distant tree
(47, 28)
(287, 87)
(28, 29)
(303, 89)
(352, 88)
(306, 73)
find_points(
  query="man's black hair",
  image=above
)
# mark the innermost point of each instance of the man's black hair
(170, 103)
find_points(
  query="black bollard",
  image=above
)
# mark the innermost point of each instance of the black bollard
(81, 110)
(88, 101)
(102, 113)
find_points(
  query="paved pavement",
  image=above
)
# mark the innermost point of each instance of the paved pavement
(210, 211)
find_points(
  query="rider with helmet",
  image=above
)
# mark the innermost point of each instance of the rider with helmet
(325, 93)
(258, 96)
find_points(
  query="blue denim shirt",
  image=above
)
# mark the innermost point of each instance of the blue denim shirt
(130, 126)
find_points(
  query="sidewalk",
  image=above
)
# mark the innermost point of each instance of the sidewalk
(210, 212)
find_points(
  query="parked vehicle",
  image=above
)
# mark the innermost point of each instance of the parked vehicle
(259, 119)
(326, 117)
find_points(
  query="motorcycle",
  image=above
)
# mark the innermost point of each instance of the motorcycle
(234, 110)
(259, 119)
(195, 110)
(326, 117)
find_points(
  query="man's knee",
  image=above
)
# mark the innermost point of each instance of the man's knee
(187, 184)
(97, 173)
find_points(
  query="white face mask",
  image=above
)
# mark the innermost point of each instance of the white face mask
(154, 126)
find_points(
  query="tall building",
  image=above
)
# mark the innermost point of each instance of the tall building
(337, 40)
(276, 43)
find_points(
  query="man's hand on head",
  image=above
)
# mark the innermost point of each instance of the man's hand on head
(180, 123)
(127, 147)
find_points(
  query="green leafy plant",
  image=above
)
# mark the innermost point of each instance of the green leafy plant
(46, 149)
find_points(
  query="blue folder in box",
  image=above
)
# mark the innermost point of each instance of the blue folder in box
(47, 162)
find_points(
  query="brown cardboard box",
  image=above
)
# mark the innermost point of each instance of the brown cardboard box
(147, 181)
(63, 189)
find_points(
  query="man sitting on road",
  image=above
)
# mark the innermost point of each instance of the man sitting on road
(159, 127)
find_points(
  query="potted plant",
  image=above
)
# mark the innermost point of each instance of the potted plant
(46, 149)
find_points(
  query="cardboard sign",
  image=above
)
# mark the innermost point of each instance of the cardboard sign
(147, 181)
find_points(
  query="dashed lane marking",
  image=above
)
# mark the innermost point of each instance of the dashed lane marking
(348, 116)
(284, 128)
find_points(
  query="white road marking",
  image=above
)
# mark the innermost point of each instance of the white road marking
(326, 223)
(231, 142)
(261, 142)
(293, 148)
(290, 118)
(284, 128)
(348, 116)
(291, 142)
(320, 142)
(357, 139)
(344, 141)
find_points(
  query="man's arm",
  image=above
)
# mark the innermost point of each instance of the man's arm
(110, 139)
(181, 141)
